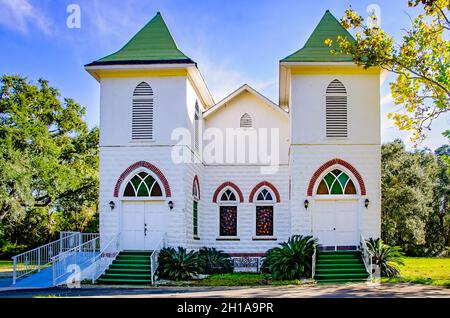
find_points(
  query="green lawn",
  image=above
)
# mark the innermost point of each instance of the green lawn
(423, 270)
(6, 266)
(241, 279)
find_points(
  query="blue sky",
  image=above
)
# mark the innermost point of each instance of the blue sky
(233, 41)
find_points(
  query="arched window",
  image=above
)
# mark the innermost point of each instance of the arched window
(264, 213)
(196, 198)
(336, 110)
(197, 127)
(336, 182)
(246, 121)
(143, 185)
(142, 113)
(228, 213)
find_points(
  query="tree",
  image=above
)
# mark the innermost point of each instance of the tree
(421, 62)
(48, 162)
(407, 187)
(438, 227)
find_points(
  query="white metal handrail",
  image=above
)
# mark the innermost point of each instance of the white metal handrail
(77, 256)
(367, 256)
(154, 263)
(39, 258)
(106, 256)
(313, 265)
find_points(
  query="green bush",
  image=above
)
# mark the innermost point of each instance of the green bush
(8, 249)
(212, 261)
(388, 258)
(292, 260)
(177, 264)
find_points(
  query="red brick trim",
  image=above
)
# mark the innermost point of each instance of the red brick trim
(262, 184)
(246, 254)
(150, 167)
(196, 180)
(330, 163)
(231, 185)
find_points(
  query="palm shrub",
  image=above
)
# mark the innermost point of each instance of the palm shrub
(292, 259)
(212, 261)
(387, 257)
(177, 264)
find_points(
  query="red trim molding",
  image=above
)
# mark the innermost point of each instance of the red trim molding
(231, 185)
(262, 184)
(196, 180)
(150, 167)
(333, 162)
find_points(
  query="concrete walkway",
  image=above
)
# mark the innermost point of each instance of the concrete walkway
(328, 291)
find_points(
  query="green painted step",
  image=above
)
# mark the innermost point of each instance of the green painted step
(127, 276)
(136, 253)
(131, 261)
(340, 267)
(341, 281)
(339, 261)
(339, 256)
(133, 257)
(341, 275)
(341, 271)
(127, 271)
(129, 268)
(344, 265)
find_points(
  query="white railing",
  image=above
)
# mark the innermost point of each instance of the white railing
(367, 256)
(83, 237)
(74, 259)
(154, 263)
(105, 258)
(313, 264)
(40, 258)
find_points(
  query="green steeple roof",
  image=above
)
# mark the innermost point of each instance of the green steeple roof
(315, 49)
(153, 44)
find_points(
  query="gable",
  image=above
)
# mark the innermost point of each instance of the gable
(238, 97)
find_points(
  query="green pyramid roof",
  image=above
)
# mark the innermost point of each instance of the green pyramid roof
(153, 44)
(315, 49)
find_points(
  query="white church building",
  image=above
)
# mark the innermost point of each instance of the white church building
(245, 173)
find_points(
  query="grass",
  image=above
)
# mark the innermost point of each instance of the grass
(6, 266)
(424, 270)
(241, 279)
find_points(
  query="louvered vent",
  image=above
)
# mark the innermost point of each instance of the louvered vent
(246, 121)
(142, 117)
(336, 110)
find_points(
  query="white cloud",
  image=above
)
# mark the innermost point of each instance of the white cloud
(20, 15)
(387, 99)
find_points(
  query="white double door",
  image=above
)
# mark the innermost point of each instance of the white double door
(143, 224)
(336, 222)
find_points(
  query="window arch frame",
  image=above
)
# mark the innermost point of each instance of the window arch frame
(134, 98)
(351, 176)
(130, 176)
(264, 203)
(330, 93)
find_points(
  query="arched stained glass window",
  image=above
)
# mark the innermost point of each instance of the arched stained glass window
(228, 214)
(264, 195)
(228, 195)
(264, 213)
(336, 182)
(143, 185)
